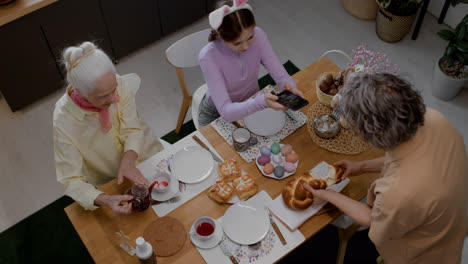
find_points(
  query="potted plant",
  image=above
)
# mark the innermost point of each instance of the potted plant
(395, 17)
(451, 71)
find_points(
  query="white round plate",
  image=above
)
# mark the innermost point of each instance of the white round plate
(272, 175)
(171, 191)
(209, 243)
(192, 164)
(245, 223)
(266, 122)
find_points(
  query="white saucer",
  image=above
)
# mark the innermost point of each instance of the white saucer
(171, 191)
(209, 243)
(192, 164)
(266, 122)
(283, 158)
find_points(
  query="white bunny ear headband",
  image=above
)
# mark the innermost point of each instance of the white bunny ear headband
(216, 17)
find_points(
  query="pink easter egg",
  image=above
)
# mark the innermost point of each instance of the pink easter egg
(289, 167)
(286, 149)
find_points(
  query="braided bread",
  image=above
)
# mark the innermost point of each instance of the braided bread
(296, 197)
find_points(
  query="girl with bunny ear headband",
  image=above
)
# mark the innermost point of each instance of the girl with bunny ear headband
(231, 61)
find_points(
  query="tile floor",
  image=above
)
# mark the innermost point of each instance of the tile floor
(298, 30)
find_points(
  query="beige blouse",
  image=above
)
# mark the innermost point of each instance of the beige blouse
(85, 157)
(419, 205)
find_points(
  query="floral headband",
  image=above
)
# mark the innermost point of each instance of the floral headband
(216, 17)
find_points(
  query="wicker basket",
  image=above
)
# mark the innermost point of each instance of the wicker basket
(391, 28)
(363, 9)
(321, 96)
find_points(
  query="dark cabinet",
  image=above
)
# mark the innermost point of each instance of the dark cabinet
(178, 13)
(70, 22)
(27, 67)
(210, 5)
(131, 24)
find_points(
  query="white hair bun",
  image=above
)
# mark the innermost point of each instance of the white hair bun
(73, 55)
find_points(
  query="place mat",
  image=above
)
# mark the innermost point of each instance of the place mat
(268, 250)
(167, 235)
(160, 162)
(295, 218)
(294, 120)
(346, 142)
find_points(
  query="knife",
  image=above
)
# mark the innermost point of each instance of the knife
(226, 252)
(216, 158)
(275, 227)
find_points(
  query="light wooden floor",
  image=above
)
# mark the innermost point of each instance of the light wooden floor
(298, 30)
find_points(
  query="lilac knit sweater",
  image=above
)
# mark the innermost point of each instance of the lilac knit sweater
(232, 77)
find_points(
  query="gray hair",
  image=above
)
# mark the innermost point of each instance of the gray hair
(85, 64)
(384, 108)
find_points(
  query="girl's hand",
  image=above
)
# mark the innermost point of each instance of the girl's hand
(270, 100)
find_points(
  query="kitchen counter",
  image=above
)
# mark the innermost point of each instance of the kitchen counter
(21, 8)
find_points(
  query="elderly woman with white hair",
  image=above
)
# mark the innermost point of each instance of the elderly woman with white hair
(417, 209)
(97, 133)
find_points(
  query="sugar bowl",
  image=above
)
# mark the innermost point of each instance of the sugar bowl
(326, 126)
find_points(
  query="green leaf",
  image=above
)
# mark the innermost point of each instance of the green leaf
(449, 51)
(446, 34)
(462, 46)
(460, 58)
(461, 32)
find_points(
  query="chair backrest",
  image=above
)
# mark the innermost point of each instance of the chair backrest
(133, 82)
(184, 52)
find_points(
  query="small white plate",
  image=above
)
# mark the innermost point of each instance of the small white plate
(209, 243)
(172, 190)
(246, 222)
(283, 158)
(192, 164)
(266, 122)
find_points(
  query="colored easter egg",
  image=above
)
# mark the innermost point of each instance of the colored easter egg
(286, 149)
(277, 159)
(262, 160)
(279, 171)
(289, 167)
(268, 169)
(292, 157)
(275, 148)
(265, 151)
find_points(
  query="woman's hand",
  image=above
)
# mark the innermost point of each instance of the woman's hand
(351, 168)
(270, 100)
(293, 90)
(128, 170)
(320, 196)
(119, 204)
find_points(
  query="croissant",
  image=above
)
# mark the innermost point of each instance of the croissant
(296, 197)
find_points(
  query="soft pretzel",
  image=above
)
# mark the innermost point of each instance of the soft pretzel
(296, 197)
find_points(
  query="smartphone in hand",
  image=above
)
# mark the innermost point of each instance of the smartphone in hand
(291, 101)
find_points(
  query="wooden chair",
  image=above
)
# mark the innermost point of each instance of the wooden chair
(133, 82)
(346, 229)
(184, 54)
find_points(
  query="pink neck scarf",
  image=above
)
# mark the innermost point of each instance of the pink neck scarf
(85, 105)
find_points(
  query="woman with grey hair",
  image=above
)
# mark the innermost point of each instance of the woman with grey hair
(417, 209)
(97, 133)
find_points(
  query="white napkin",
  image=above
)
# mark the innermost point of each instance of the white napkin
(292, 218)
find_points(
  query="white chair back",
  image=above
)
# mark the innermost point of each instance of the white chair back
(184, 52)
(133, 82)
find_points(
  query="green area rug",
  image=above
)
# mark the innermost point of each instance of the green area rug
(48, 236)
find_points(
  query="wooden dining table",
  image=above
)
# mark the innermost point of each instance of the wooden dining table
(97, 229)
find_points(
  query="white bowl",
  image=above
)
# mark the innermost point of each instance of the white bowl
(161, 176)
